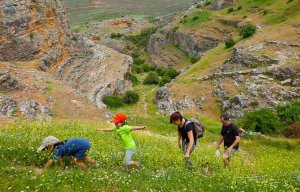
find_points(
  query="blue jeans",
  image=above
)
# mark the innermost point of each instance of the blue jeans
(128, 155)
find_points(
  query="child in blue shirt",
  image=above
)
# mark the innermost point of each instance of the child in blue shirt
(76, 148)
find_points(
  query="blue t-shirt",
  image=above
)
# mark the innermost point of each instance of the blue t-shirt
(73, 147)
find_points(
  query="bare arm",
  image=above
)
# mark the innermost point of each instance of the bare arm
(105, 129)
(138, 127)
(220, 141)
(237, 140)
(179, 139)
(191, 143)
(60, 163)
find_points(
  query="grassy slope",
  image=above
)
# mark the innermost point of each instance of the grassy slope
(261, 164)
(253, 9)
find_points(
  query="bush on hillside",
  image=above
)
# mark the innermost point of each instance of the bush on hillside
(137, 69)
(172, 73)
(230, 10)
(133, 80)
(195, 18)
(263, 121)
(229, 43)
(130, 97)
(138, 61)
(239, 7)
(248, 30)
(115, 35)
(142, 39)
(113, 101)
(146, 67)
(164, 80)
(194, 59)
(151, 78)
(290, 112)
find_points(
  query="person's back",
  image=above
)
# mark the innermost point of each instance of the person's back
(72, 147)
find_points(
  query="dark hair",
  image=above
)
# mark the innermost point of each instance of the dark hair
(175, 116)
(225, 117)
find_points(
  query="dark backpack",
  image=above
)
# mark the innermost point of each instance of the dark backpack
(199, 127)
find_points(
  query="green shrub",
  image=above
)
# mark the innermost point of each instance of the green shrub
(239, 7)
(229, 43)
(130, 97)
(289, 1)
(135, 55)
(265, 12)
(138, 61)
(230, 10)
(142, 39)
(133, 80)
(207, 3)
(151, 78)
(146, 67)
(137, 69)
(248, 30)
(263, 121)
(289, 112)
(194, 59)
(195, 18)
(245, 16)
(172, 73)
(113, 101)
(198, 6)
(164, 80)
(115, 35)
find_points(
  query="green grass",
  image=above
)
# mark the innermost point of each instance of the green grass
(256, 167)
(196, 19)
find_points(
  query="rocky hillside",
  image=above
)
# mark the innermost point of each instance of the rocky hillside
(258, 71)
(36, 35)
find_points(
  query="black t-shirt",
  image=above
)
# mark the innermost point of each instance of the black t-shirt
(229, 133)
(184, 131)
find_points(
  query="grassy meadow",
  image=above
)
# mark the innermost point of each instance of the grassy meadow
(262, 164)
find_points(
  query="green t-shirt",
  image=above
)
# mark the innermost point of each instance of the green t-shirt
(124, 134)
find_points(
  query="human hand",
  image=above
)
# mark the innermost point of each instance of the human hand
(229, 149)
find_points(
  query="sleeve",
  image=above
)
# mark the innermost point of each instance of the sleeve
(189, 127)
(57, 154)
(235, 130)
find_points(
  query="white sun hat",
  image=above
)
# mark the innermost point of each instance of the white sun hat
(48, 141)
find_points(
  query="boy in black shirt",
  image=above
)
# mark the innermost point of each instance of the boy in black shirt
(231, 138)
(186, 135)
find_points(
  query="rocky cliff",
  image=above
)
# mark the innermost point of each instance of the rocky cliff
(258, 72)
(35, 34)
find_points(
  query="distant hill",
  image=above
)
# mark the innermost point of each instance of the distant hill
(81, 11)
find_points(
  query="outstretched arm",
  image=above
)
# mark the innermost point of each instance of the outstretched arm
(105, 129)
(219, 142)
(138, 127)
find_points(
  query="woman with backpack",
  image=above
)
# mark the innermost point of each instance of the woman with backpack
(186, 135)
